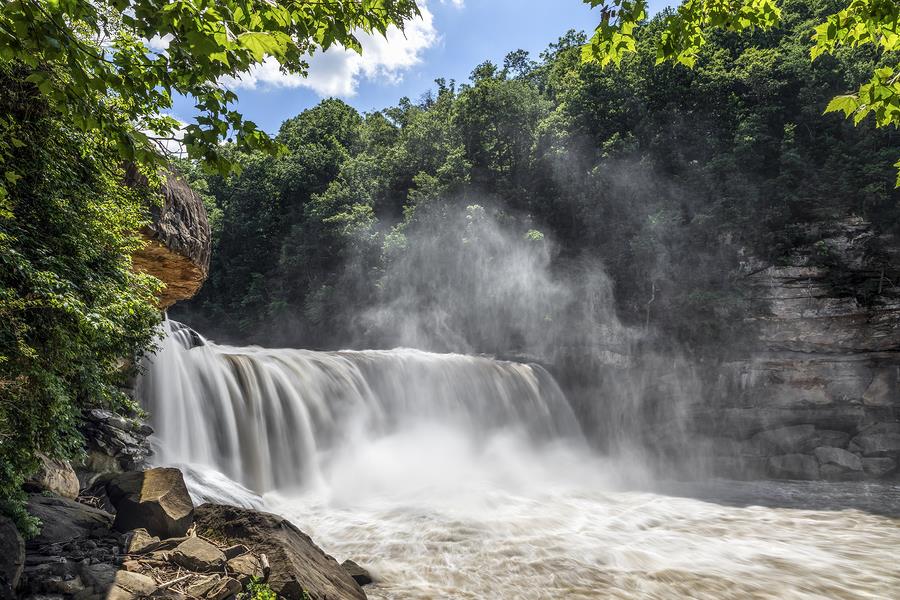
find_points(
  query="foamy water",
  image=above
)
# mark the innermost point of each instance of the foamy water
(433, 515)
(582, 543)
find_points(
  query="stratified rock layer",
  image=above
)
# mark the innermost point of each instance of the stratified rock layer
(819, 390)
(178, 241)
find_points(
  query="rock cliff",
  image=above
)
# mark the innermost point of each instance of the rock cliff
(178, 241)
(817, 394)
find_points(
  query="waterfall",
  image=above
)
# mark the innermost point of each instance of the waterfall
(272, 418)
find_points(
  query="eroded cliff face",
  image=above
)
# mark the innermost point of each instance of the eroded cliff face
(818, 393)
(178, 242)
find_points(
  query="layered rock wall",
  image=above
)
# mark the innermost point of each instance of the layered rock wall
(823, 376)
(178, 241)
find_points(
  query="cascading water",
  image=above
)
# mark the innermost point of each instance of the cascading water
(272, 419)
(454, 476)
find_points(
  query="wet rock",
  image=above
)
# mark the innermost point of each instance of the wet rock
(832, 472)
(836, 456)
(878, 467)
(139, 541)
(359, 575)
(12, 558)
(794, 466)
(786, 440)
(196, 554)
(109, 419)
(156, 500)
(65, 520)
(55, 476)
(877, 444)
(739, 467)
(297, 566)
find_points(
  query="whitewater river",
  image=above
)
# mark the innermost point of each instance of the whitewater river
(452, 476)
(444, 519)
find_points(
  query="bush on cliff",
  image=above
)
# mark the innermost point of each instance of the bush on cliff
(70, 305)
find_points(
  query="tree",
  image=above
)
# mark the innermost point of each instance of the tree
(72, 310)
(86, 85)
(686, 31)
(113, 66)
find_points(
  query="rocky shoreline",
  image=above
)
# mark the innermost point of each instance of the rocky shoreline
(138, 535)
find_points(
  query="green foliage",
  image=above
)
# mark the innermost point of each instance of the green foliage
(669, 177)
(95, 66)
(686, 31)
(71, 307)
(259, 590)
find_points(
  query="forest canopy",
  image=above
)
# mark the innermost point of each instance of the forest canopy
(668, 177)
(685, 31)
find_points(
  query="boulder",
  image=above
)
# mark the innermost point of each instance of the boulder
(878, 467)
(55, 475)
(786, 440)
(12, 558)
(131, 586)
(881, 427)
(104, 580)
(156, 500)
(828, 455)
(202, 586)
(794, 466)
(877, 444)
(359, 575)
(198, 555)
(298, 568)
(833, 472)
(66, 521)
(829, 438)
(139, 541)
(245, 567)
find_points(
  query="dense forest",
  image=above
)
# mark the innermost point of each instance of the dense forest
(641, 189)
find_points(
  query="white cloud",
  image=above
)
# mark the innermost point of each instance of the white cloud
(159, 43)
(456, 3)
(170, 146)
(338, 71)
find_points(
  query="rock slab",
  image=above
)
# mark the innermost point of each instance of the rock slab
(299, 568)
(198, 555)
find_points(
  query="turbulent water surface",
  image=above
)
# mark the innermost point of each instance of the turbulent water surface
(461, 477)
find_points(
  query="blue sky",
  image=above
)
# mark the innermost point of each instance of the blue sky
(453, 37)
